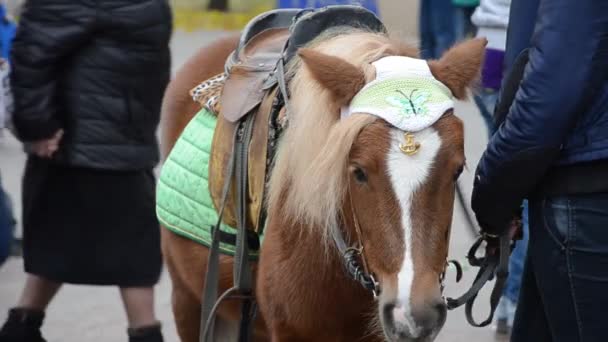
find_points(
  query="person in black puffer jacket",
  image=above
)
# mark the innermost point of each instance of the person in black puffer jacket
(88, 80)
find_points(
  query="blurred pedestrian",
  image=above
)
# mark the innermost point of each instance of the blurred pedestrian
(491, 19)
(437, 28)
(551, 147)
(7, 32)
(7, 219)
(88, 78)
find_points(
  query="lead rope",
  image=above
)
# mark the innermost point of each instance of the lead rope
(495, 264)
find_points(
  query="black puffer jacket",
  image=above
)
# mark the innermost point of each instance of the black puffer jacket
(98, 69)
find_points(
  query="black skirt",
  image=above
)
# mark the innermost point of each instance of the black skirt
(86, 226)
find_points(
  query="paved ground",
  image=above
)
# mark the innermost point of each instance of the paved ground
(94, 314)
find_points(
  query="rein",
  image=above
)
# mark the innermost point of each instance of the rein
(493, 264)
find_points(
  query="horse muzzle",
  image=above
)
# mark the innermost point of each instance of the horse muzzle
(403, 324)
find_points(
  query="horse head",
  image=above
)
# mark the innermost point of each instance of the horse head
(388, 192)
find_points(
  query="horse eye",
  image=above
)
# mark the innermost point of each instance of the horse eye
(458, 172)
(360, 175)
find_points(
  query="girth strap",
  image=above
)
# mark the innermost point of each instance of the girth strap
(243, 282)
(492, 264)
(208, 303)
(243, 278)
(253, 239)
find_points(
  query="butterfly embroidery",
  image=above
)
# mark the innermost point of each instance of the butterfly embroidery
(410, 105)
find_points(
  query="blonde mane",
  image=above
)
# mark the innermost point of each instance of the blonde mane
(309, 180)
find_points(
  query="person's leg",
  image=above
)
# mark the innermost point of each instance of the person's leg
(569, 250)
(508, 302)
(530, 322)
(139, 306)
(38, 293)
(585, 250)
(463, 27)
(516, 262)
(442, 23)
(25, 320)
(470, 29)
(459, 23)
(7, 224)
(427, 40)
(486, 101)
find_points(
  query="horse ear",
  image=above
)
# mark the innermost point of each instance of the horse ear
(338, 76)
(459, 68)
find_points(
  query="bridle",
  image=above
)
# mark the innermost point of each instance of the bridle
(353, 257)
(490, 266)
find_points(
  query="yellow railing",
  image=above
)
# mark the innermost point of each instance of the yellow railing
(190, 15)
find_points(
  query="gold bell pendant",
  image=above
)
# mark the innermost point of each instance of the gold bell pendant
(410, 147)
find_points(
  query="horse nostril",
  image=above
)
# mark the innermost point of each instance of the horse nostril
(399, 322)
(432, 318)
(442, 310)
(387, 312)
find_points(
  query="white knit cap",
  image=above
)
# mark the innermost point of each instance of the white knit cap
(405, 94)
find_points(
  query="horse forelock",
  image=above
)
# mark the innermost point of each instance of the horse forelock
(309, 180)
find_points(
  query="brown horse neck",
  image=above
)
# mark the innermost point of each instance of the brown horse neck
(314, 271)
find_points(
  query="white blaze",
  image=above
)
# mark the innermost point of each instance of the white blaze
(407, 174)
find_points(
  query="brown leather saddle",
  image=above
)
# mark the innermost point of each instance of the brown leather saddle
(254, 70)
(248, 68)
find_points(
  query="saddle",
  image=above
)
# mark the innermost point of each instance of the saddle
(253, 71)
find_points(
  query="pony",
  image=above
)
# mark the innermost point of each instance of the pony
(336, 176)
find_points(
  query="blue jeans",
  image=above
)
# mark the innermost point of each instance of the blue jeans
(463, 27)
(486, 101)
(436, 27)
(516, 261)
(564, 293)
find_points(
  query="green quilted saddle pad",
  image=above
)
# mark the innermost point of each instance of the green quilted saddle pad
(183, 202)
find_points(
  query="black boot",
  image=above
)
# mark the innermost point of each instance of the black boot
(22, 325)
(151, 333)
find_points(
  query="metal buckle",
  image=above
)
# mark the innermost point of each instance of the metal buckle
(376, 289)
(487, 236)
(358, 250)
